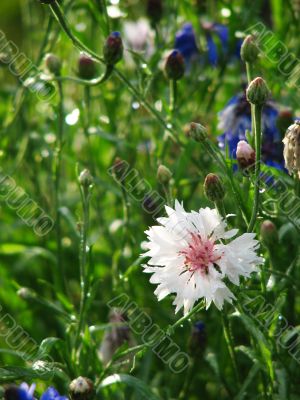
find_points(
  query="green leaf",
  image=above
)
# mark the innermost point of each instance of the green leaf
(248, 381)
(260, 339)
(139, 386)
(282, 379)
(47, 345)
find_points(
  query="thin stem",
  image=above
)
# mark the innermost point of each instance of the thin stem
(230, 345)
(84, 276)
(250, 76)
(173, 95)
(221, 208)
(297, 184)
(60, 276)
(93, 82)
(257, 133)
(198, 307)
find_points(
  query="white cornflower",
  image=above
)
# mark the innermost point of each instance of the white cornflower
(188, 257)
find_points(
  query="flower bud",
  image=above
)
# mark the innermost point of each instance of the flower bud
(258, 92)
(174, 66)
(268, 233)
(197, 132)
(291, 150)
(86, 67)
(245, 155)
(164, 175)
(214, 188)
(285, 119)
(113, 49)
(154, 10)
(249, 50)
(119, 168)
(25, 293)
(86, 179)
(53, 64)
(81, 389)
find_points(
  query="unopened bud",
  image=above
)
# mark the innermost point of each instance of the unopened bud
(214, 188)
(113, 49)
(284, 119)
(155, 10)
(258, 92)
(25, 293)
(245, 155)
(86, 67)
(81, 389)
(268, 233)
(119, 168)
(249, 50)
(164, 175)
(53, 63)
(197, 132)
(291, 151)
(174, 66)
(86, 179)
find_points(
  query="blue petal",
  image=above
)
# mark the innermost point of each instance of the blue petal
(185, 42)
(50, 394)
(212, 50)
(223, 34)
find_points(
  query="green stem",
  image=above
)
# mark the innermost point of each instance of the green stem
(198, 307)
(93, 82)
(173, 95)
(60, 275)
(250, 76)
(221, 208)
(84, 275)
(230, 345)
(297, 184)
(257, 133)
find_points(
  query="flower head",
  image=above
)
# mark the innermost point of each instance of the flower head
(22, 392)
(292, 148)
(52, 394)
(115, 337)
(139, 36)
(235, 120)
(189, 258)
(185, 42)
(215, 31)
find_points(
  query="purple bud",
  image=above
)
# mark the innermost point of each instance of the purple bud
(174, 66)
(86, 67)
(113, 49)
(53, 63)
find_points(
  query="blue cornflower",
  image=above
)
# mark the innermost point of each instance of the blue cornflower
(185, 42)
(52, 394)
(235, 119)
(213, 31)
(22, 392)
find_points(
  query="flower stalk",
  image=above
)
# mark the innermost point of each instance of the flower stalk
(230, 345)
(85, 184)
(257, 136)
(59, 278)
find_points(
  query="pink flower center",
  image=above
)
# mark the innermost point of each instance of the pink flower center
(199, 254)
